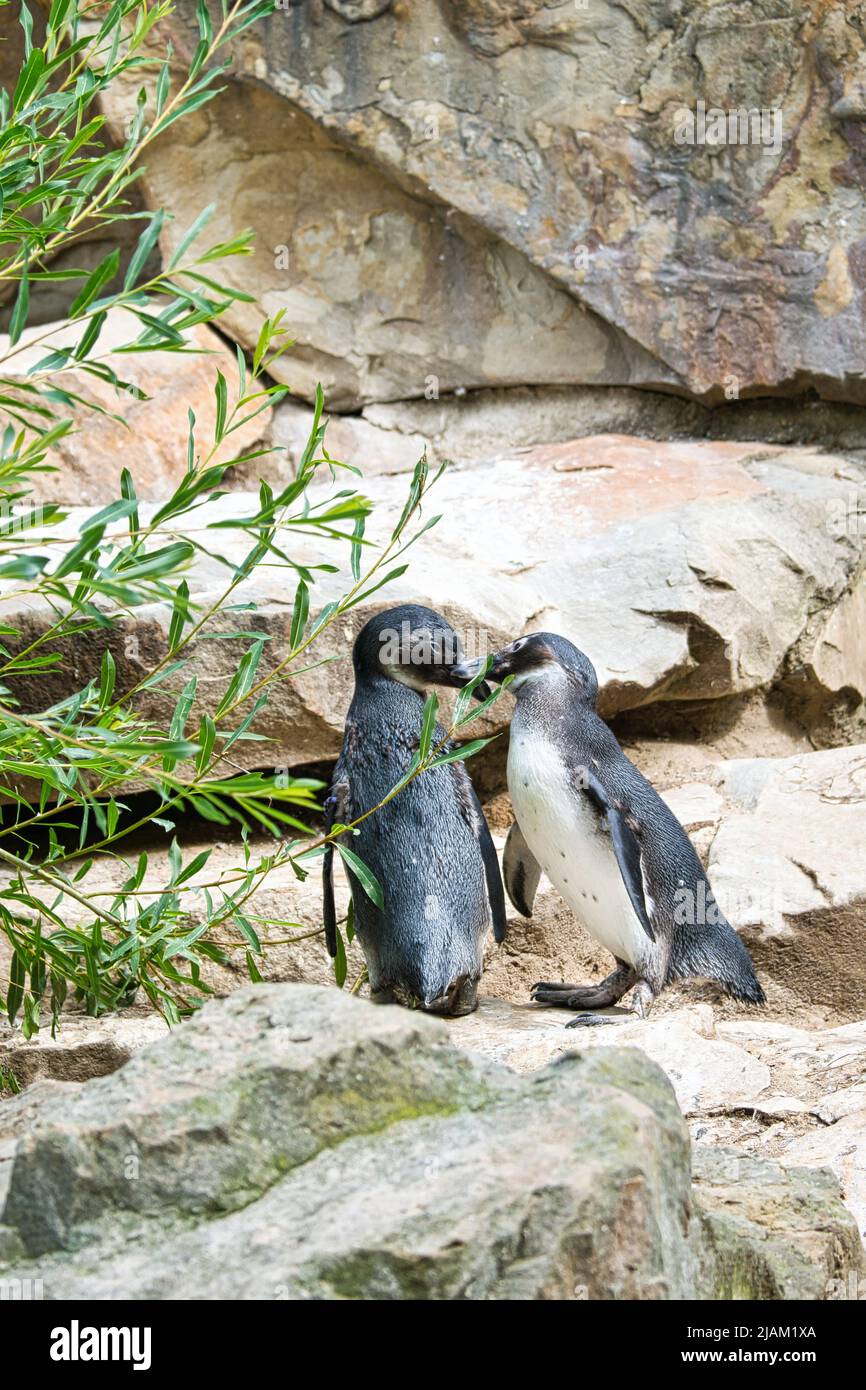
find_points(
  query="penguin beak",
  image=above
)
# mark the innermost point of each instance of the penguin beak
(465, 671)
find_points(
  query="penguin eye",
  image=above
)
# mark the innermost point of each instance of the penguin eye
(521, 642)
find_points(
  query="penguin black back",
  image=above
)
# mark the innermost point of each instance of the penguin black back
(429, 846)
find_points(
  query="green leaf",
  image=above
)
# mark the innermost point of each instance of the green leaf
(350, 921)
(249, 932)
(127, 491)
(221, 392)
(189, 236)
(145, 245)
(179, 616)
(206, 740)
(22, 305)
(428, 725)
(340, 963)
(26, 21)
(89, 336)
(107, 675)
(388, 579)
(243, 679)
(17, 980)
(365, 876)
(300, 613)
(24, 567)
(105, 271)
(457, 755)
(29, 78)
(464, 699)
(192, 867)
(358, 535)
(205, 27)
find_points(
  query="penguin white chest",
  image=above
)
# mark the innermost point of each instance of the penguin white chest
(572, 845)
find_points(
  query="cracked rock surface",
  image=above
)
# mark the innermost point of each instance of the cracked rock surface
(692, 572)
(489, 169)
(371, 1158)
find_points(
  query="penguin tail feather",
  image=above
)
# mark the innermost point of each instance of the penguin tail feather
(716, 954)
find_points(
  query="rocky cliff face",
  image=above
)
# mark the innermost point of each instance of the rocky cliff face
(454, 195)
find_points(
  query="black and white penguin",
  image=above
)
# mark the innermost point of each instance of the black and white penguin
(430, 847)
(606, 840)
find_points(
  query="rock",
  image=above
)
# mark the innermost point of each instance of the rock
(713, 267)
(842, 1148)
(827, 672)
(387, 294)
(84, 1047)
(350, 439)
(772, 1090)
(774, 1232)
(776, 1107)
(444, 1178)
(150, 437)
(292, 1142)
(687, 572)
(786, 863)
(822, 1068)
(706, 1072)
(840, 1104)
(285, 1071)
(474, 425)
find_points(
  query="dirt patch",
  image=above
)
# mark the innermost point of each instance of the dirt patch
(553, 945)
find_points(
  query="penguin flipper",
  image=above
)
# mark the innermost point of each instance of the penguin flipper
(522, 871)
(336, 809)
(626, 847)
(495, 895)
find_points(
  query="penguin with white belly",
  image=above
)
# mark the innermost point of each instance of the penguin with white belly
(605, 838)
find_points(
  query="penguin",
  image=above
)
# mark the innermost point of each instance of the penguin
(430, 847)
(605, 838)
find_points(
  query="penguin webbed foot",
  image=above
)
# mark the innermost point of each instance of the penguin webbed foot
(589, 1020)
(562, 996)
(579, 997)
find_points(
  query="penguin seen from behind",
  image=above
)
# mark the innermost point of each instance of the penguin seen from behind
(429, 847)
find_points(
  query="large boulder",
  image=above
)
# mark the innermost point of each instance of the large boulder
(292, 1143)
(227, 1135)
(386, 295)
(480, 423)
(688, 572)
(524, 157)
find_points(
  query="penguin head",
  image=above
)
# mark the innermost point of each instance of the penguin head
(541, 660)
(412, 645)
